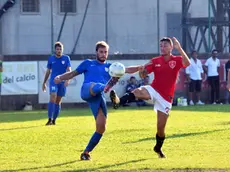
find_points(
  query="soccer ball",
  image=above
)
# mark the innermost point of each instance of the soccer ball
(117, 70)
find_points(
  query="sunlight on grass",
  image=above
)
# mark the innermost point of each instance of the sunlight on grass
(197, 138)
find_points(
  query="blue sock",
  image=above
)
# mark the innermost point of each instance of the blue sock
(50, 109)
(57, 109)
(93, 141)
(98, 88)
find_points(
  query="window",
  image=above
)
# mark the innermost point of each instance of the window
(69, 6)
(30, 6)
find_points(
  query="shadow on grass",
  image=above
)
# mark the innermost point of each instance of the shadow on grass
(71, 162)
(19, 128)
(174, 136)
(37, 168)
(224, 123)
(109, 166)
(23, 116)
(187, 170)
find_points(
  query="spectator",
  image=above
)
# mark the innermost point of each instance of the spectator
(132, 84)
(194, 72)
(227, 94)
(212, 67)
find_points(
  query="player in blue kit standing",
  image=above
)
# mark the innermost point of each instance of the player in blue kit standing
(57, 65)
(97, 81)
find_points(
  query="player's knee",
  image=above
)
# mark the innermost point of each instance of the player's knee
(101, 128)
(141, 93)
(53, 98)
(58, 100)
(91, 89)
(137, 93)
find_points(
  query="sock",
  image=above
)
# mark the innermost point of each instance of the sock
(50, 109)
(98, 88)
(110, 84)
(160, 141)
(57, 109)
(93, 142)
(126, 98)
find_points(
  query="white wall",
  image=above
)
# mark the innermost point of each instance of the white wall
(132, 26)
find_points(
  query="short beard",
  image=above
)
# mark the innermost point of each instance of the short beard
(58, 55)
(100, 60)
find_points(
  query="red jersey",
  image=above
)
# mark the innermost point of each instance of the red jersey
(165, 75)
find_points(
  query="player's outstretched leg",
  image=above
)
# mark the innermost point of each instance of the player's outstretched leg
(116, 101)
(110, 84)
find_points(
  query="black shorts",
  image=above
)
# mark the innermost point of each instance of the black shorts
(195, 85)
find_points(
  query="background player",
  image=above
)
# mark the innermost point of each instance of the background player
(57, 65)
(166, 68)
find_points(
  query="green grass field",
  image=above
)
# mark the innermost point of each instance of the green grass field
(198, 138)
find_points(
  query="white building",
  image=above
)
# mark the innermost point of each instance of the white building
(129, 26)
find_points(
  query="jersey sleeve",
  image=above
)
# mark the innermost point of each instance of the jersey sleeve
(201, 67)
(68, 62)
(206, 63)
(218, 65)
(187, 70)
(83, 66)
(49, 63)
(150, 66)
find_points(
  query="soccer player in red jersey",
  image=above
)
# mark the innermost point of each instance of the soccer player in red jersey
(161, 91)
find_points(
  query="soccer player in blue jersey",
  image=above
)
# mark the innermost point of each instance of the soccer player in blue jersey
(96, 81)
(57, 65)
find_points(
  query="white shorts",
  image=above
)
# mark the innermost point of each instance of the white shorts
(160, 104)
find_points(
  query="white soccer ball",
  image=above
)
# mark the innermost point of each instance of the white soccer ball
(117, 69)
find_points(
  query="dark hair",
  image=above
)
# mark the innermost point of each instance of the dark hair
(58, 44)
(193, 51)
(214, 50)
(101, 44)
(167, 39)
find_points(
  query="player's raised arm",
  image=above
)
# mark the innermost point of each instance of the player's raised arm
(185, 59)
(132, 69)
(143, 69)
(65, 76)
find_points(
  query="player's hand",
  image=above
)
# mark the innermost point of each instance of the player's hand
(66, 83)
(57, 79)
(228, 87)
(176, 43)
(142, 72)
(44, 87)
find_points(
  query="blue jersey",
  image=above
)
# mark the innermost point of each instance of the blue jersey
(58, 66)
(94, 71)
